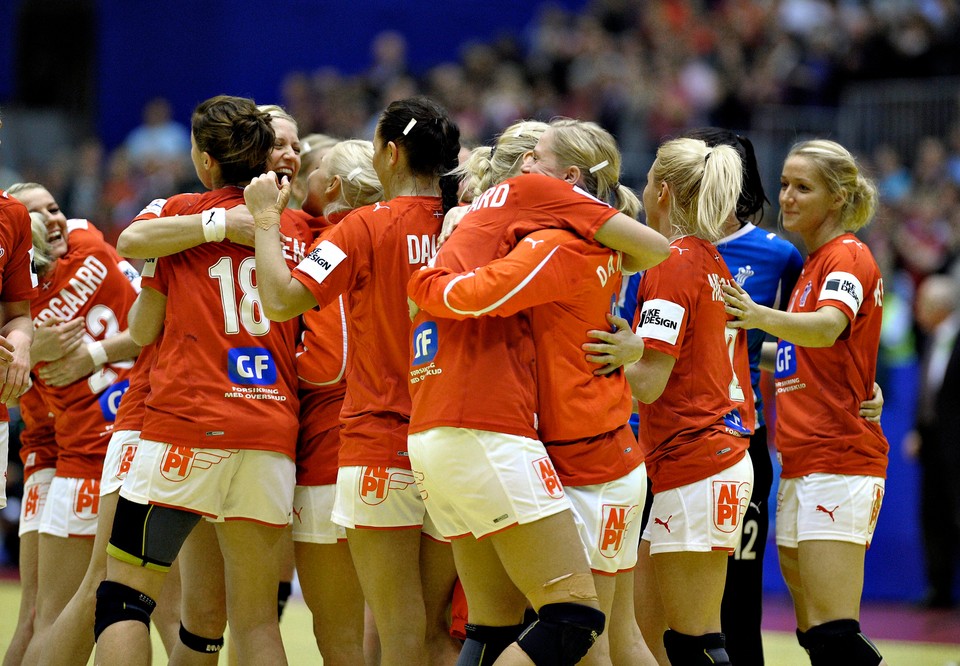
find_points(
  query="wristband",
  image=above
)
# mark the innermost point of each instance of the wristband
(214, 223)
(97, 353)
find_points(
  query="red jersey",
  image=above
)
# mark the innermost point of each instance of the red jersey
(38, 441)
(455, 362)
(87, 282)
(368, 258)
(819, 391)
(223, 370)
(321, 366)
(570, 285)
(701, 423)
(130, 413)
(18, 277)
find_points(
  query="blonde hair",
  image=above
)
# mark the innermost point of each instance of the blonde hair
(352, 160)
(41, 248)
(704, 185)
(276, 111)
(839, 170)
(23, 187)
(488, 166)
(593, 149)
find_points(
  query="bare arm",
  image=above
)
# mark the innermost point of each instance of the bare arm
(18, 332)
(84, 360)
(163, 236)
(642, 247)
(146, 316)
(649, 376)
(281, 296)
(805, 329)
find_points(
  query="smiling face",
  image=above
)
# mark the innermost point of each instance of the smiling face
(38, 200)
(284, 159)
(542, 159)
(806, 202)
(319, 190)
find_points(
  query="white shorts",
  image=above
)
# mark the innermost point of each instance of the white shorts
(702, 516)
(479, 482)
(34, 498)
(72, 507)
(377, 497)
(608, 519)
(221, 484)
(120, 453)
(4, 452)
(828, 507)
(312, 511)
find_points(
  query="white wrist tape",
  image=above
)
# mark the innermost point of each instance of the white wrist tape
(214, 224)
(97, 353)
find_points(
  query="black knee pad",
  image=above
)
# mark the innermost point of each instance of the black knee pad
(117, 602)
(283, 593)
(839, 643)
(147, 535)
(484, 643)
(199, 643)
(693, 650)
(562, 635)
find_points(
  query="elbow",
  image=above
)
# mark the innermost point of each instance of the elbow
(278, 311)
(645, 393)
(127, 246)
(142, 336)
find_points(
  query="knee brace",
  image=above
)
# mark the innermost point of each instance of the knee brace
(283, 593)
(562, 635)
(199, 643)
(117, 602)
(839, 643)
(484, 643)
(692, 650)
(146, 535)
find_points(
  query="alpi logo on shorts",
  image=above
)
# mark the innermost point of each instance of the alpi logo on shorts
(86, 503)
(730, 499)
(251, 366)
(548, 477)
(178, 461)
(377, 482)
(32, 502)
(126, 459)
(616, 519)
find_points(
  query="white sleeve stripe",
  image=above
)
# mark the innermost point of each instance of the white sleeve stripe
(493, 306)
(343, 364)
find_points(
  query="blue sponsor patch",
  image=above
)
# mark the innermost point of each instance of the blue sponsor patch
(110, 399)
(786, 360)
(251, 366)
(424, 343)
(733, 421)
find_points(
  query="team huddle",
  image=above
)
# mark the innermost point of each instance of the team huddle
(439, 387)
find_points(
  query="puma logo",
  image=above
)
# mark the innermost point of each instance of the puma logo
(666, 525)
(828, 512)
(296, 512)
(681, 250)
(532, 242)
(377, 206)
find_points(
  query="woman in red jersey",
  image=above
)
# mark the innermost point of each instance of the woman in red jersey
(510, 518)
(218, 379)
(369, 257)
(81, 383)
(695, 416)
(834, 463)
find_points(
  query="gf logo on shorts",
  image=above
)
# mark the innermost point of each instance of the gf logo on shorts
(86, 504)
(730, 499)
(548, 477)
(32, 502)
(178, 461)
(616, 520)
(376, 482)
